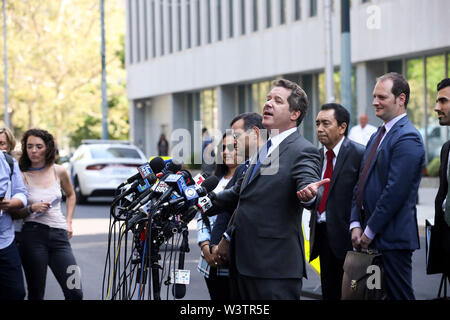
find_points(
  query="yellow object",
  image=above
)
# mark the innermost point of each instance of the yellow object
(315, 264)
(163, 157)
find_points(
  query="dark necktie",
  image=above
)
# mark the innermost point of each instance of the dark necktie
(261, 156)
(363, 176)
(328, 174)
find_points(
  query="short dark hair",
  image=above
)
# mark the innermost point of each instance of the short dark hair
(443, 84)
(399, 86)
(340, 113)
(298, 100)
(251, 119)
(50, 154)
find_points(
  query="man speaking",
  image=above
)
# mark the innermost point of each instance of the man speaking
(265, 240)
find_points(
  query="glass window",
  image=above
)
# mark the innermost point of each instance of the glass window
(322, 88)
(113, 152)
(243, 16)
(208, 18)
(145, 32)
(312, 8)
(199, 30)
(208, 109)
(259, 93)
(436, 135)
(282, 11)
(161, 26)
(415, 108)
(448, 61)
(130, 31)
(255, 15)
(188, 23)
(138, 26)
(169, 8)
(230, 18)
(298, 9)
(153, 29)
(180, 31)
(219, 20)
(268, 13)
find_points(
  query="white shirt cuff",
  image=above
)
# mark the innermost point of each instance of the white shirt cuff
(355, 224)
(369, 233)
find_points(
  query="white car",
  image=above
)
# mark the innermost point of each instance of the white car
(97, 167)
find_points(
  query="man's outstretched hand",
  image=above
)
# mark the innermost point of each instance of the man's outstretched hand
(311, 190)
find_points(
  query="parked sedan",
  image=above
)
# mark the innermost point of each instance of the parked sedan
(97, 167)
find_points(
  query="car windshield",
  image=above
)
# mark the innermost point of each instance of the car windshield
(114, 152)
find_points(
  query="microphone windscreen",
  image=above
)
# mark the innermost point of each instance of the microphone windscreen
(210, 183)
(174, 167)
(157, 164)
(179, 290)
(187, 177)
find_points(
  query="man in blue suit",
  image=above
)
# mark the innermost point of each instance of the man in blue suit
(384, 213)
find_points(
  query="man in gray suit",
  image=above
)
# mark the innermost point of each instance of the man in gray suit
(265, 240)
(330, 221)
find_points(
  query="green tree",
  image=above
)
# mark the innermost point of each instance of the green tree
(54, 67)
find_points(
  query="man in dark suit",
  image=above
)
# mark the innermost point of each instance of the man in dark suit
(266, 249)
(246, 130)
(330, 220)
(442, 201)
(385, 196)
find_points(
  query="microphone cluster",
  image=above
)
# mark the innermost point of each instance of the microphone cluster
(154, 205)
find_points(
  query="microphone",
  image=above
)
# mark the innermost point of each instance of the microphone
(170, 168)
(207, 186)
(155, 165)
(179, 289)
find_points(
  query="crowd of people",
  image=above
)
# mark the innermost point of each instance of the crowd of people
(362, 195)
(361, 189)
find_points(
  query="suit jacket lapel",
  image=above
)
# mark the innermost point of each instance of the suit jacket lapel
(272, 158)
(400, 123)
(340, 160)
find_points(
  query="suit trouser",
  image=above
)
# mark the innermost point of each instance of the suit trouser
(398, 274)
(12, 286)
(331, 267)
(218, 286)
(251, 288)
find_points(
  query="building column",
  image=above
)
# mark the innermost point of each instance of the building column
(366, 74)
(226, 106)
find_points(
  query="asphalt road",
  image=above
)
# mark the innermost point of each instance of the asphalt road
(90, 246)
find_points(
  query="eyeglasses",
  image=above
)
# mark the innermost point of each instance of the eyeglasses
(230, 147)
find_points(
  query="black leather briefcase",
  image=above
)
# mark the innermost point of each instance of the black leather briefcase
(434, 249)
(363, 276)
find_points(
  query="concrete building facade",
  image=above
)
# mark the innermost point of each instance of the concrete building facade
(209, 60)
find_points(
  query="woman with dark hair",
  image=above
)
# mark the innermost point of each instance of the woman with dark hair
(46, 232)
(216, 278)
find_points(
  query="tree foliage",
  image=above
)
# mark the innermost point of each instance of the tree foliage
(54, 68)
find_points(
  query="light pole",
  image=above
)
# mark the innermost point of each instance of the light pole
(346, 64)
(5, 63)
(104, 95)
(329, 69)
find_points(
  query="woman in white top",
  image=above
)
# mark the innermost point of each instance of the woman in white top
(46, 232)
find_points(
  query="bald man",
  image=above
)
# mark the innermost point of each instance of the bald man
(362, 132)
